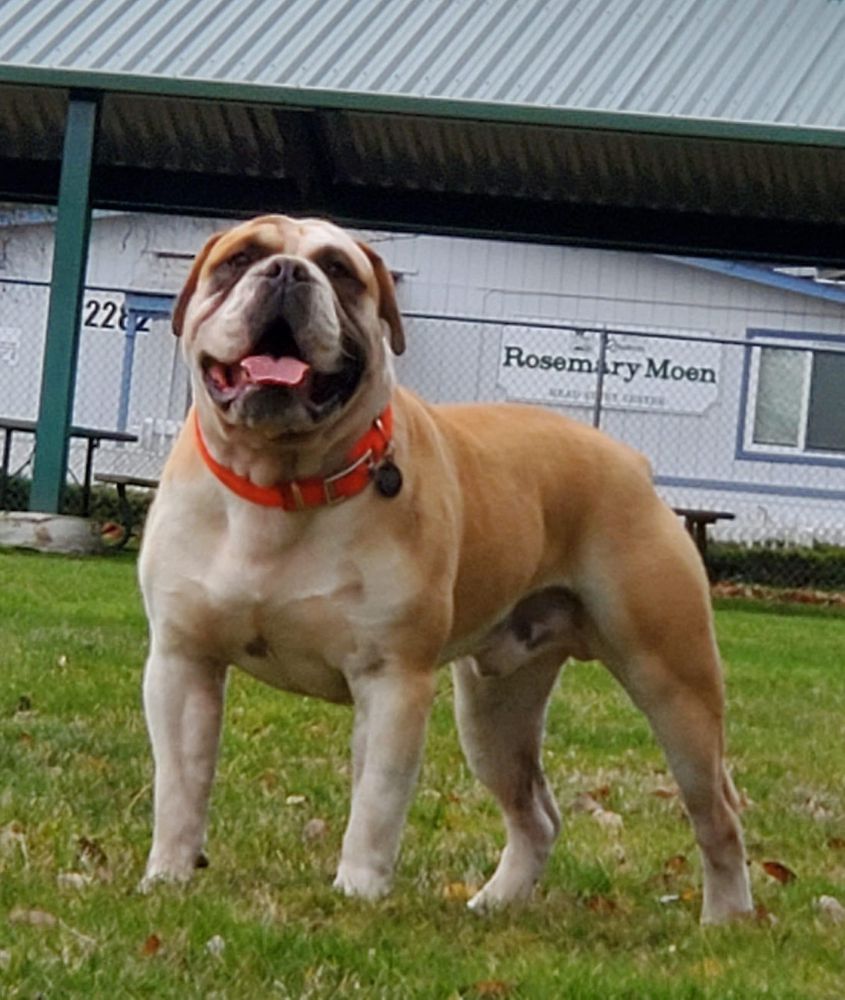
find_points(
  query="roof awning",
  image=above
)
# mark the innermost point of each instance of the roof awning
(598, 178)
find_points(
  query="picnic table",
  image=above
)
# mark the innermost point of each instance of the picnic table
(697, 521)
(93, 436)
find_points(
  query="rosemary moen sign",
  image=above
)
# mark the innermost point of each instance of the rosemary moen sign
(640, 372)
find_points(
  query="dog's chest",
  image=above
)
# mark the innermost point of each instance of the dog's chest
(302, 615)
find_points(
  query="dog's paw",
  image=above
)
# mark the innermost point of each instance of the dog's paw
(161, 875)
(361, 883)
(153, 880)
(494, 896)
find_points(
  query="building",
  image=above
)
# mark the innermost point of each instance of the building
(726, 375)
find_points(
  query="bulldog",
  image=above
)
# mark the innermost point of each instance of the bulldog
(334, 535)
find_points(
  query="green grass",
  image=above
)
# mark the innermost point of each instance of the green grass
(75, 798)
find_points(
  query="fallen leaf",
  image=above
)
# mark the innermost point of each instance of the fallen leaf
(151, 946)
(314, 830)
(669, 898)
(35, 918)
(777, 871)
(600, 794)
(600, 904)
(91, 856)
(765, 916)
(609, 820)
(61, 660)
(73, 880)
(459, 891)
(836, 843)
(491, 988)
(585, 803)
(831, 909)
(269, 781)
(295, 800)
(665, 792)
(676, 864)
(5, 958)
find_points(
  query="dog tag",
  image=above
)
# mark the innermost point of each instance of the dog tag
(388, 479)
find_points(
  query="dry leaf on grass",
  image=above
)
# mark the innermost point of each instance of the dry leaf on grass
(491, 988)
(73, 880)
(609, 820)
(151, 946)
(314, 830)
(459, 891)
(5, 958)
(93, 858)
(585, 803)
(764, 915)
(779, 872)
(676, 865)
(601, 904)
(665, 792)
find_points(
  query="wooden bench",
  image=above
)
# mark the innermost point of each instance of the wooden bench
(697, 522)
(121, 483)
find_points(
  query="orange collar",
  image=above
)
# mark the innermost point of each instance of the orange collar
(314, 491)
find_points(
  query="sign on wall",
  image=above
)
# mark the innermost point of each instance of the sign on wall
(641, 372)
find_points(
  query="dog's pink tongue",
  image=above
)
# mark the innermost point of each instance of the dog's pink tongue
(264, 370)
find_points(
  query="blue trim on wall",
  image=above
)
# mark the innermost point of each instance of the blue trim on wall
(764, 276)
(727, 486)
(804, 458)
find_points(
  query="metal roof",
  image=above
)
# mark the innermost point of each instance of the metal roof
(697, 126)
(776, 61)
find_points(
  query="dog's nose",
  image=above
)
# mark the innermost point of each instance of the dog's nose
(285, 270)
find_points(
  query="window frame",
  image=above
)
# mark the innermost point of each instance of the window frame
(746, 447)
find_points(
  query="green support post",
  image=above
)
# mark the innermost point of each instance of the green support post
(70, 257)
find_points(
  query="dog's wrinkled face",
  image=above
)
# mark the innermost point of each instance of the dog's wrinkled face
(282, 319)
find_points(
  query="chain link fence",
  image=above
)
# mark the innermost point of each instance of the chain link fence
(748, 437)
(131, 394)
(749, 431)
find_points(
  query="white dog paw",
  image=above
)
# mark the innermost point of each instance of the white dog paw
(361, 883)
(493, 896)
(160, 876)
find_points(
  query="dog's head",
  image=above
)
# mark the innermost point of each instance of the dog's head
(284, 321)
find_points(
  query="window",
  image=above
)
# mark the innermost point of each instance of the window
(797, 399)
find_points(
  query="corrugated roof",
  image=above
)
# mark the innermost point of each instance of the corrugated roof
(767, 61)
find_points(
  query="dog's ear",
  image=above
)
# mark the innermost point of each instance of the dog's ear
(191, 285)
(388, 308)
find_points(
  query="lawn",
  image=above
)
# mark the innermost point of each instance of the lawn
(615, 916)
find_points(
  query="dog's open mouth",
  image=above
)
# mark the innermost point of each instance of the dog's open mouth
(276, 364)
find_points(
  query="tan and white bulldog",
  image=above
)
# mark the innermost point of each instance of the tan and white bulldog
(334, 535)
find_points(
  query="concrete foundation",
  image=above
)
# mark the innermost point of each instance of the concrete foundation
(49, 533)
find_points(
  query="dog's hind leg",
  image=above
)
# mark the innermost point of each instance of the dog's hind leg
(658, 640)
(500, 722)
(689, 728)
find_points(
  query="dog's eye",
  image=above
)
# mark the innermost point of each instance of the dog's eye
(240, 260)
(337, 269)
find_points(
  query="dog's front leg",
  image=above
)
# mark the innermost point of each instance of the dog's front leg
(183, 701)
(391, 712)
